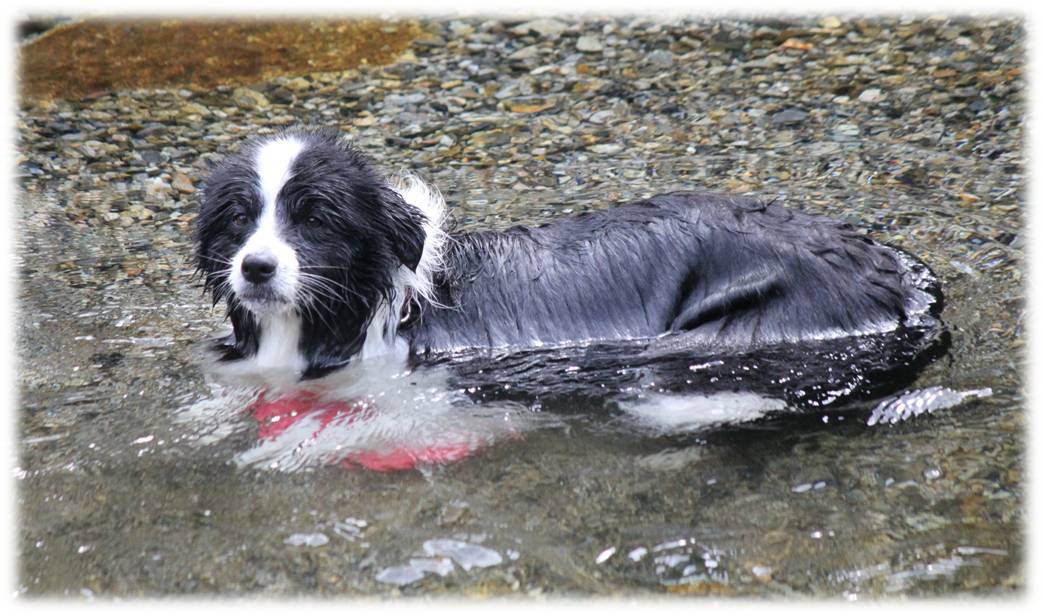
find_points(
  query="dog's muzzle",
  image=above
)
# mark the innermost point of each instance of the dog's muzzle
(261, 289)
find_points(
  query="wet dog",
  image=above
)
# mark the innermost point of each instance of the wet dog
(321, 261)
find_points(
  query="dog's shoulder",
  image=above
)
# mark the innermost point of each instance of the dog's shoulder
(749, 214)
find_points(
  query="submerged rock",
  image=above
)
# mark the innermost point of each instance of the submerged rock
(467, 555)
(400, 576)
(312, 540)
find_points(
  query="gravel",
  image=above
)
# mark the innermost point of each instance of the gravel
(909, 128)
(789, 102)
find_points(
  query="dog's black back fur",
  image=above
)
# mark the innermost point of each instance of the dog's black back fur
(731, 272)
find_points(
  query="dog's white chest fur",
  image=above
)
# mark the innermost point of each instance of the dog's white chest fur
(279, 347)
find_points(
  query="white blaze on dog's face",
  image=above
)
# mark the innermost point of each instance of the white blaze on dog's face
(265, 271)
(312, 250)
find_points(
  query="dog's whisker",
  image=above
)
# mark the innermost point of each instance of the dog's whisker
(320, 283)
(309, 305)
(306, 276)
(217, 259)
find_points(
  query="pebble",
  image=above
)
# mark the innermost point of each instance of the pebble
(400, 576)
(660, 57)
(297, 84)
(606, 148)
(157, 189)
(249, 99)
(525, 53)
(871, 95)
(195, 109)
(589, 44)
(551, 28)
(182, 183)
(846, 132)
(830, 22)
(789, 116)
(439, 566)
(467, 555)
(312, 540)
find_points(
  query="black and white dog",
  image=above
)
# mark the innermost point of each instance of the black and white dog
(321, 261)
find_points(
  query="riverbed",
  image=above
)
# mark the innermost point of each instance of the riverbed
(908, 128)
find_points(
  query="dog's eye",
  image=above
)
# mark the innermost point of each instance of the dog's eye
(239, 219)
(313, 222)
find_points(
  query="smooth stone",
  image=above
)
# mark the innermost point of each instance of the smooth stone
(249, 99)
(467, 555)
(606, 148)
(789, 116)
(400, 576)
(551, 28)
(525, 53)
(589, 44)
(871, 95)
(660, 57)
(310, 540)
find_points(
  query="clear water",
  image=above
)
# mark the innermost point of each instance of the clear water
(140, 474)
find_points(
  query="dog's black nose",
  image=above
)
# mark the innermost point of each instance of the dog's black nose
(258, 269)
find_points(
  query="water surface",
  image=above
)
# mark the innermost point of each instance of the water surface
(141, 474)
(119, 494)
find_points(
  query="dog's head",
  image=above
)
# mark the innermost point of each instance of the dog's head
(299, 228)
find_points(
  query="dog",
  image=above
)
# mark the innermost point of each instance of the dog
(322, 261)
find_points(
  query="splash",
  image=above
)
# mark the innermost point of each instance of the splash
(376, 415)
(920, 401)
(672, 414)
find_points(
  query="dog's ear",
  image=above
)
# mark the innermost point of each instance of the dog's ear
(405, 227)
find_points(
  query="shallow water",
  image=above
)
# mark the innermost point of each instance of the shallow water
(120, 493)
(142, 474)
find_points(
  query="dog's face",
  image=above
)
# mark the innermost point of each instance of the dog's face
(300, 227)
